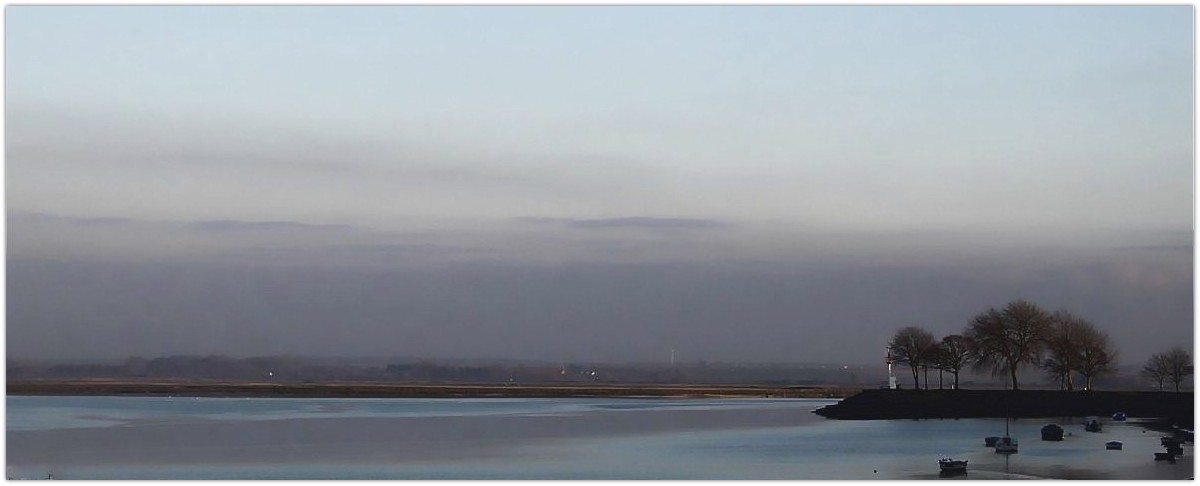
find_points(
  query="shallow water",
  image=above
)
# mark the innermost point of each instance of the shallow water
(602, 438)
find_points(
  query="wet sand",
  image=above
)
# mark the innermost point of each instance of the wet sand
(363, 440)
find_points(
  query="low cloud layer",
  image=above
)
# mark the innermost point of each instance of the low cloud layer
(247, 288)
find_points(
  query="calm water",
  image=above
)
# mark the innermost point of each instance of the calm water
(265, 438)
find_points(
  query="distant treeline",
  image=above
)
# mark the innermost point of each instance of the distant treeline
(1069, 349)
(299, 369)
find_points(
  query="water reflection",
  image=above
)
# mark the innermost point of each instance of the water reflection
(535, 439)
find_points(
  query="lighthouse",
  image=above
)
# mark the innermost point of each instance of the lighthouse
(891, 374)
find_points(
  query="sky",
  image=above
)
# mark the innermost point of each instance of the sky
(739, 184)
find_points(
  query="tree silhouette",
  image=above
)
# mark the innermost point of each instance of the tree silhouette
(911, 346)
(1074, 345)
(954, 354)
(1157, 369)
(1096, 355)
(1063, 333)
(1179, 366)
(1008, 338)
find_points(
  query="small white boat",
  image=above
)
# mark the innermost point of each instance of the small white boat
(1006, 445)
(949, 465)
(1113, 445)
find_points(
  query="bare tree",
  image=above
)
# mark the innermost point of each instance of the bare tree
(1060, 370)
(911, 346)
(1063, 354)
(1179, 366)
(1008, 338)
(1157, 369)
(930, 357)
(937, 354)
(1096, 355)
(955, 354)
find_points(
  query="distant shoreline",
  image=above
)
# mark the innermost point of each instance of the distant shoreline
(395, 390)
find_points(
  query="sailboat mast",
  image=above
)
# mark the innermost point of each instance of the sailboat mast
(1006, 413)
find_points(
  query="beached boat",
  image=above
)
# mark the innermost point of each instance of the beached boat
(1091, 424)
(1174, 446)
(1164, 456)
(948, 465)
(1113, 445)
(1170, 441)
(1052, 432)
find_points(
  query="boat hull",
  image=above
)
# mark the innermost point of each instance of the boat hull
(1052, 432)
(952, 466)
(1006, 446)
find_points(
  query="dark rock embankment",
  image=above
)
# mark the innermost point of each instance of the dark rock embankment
(914, 404)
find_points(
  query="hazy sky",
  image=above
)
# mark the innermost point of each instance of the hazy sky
(591, 183)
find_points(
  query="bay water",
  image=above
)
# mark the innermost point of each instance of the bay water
(76, 437)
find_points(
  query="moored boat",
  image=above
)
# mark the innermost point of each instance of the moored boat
(1119, 417)
(1091, 424)
(1006, 445)
(1171, 441)
(1164, 456)
(950, 466)
(1052, 432)
(1114, 445)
